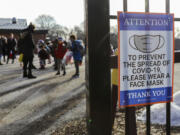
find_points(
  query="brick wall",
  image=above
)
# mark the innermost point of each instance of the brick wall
(37, 37)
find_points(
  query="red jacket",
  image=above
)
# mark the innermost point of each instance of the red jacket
(60, 51)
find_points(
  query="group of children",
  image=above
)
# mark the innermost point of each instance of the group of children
(57, 49)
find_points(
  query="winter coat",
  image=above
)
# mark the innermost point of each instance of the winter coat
(19, 45)
(43, 54)
(11, 44)
(4, 46)
(53, 47)
(60, 51)
(1, 47)
(76, 51)
(28, 46)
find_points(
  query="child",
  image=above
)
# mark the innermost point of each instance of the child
(59, 53)
(43, 55)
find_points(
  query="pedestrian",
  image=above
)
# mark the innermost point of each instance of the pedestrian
(1, 49)
(28, 51)
(11, 45)
(59, 53)
(42, 54)
(77, 56)
(4, 47)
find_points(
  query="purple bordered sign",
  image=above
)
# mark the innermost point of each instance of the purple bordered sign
(145, 58)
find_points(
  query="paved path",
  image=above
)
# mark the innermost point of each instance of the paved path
(38, 106)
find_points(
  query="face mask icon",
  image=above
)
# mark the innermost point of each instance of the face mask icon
(146, 43)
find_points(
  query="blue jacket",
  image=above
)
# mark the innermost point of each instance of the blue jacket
(76, 50)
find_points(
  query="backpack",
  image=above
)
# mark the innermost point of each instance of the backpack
(43, 54)
(81, 47)
(48, 50)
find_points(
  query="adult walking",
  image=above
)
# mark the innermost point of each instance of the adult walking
(1, 49)
(4, 47)
(11, 44)
(77, 56)
(28, 51)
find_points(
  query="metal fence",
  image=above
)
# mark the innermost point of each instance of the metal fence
(101, 100)
(130, 111)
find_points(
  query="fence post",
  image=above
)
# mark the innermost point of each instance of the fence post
(125, 5)
(130, 112)
(168, 105)
(98, 83)
(148, 120)
(148, 107)
(130, 121)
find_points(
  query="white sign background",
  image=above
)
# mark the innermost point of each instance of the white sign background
(128, 50)
(141, 83)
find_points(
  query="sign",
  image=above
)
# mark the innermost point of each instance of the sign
(146, 58)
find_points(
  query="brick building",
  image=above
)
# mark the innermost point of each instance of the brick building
(15, 26)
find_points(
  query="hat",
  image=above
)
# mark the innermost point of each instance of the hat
(60, 39)
(41, 41)
(31, 27)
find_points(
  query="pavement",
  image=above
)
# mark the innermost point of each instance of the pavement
(39, 106)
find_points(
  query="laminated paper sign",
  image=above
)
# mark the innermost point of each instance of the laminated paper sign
(146, 58)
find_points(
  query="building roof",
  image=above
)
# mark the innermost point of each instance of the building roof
(7, 24)
(13, 25)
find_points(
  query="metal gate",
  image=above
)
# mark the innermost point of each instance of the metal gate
(101, 100)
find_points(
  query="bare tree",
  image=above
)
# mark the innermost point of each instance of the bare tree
(79, 32)
(45, 21)
(59, 30)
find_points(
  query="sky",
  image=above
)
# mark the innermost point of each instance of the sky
(71, 12)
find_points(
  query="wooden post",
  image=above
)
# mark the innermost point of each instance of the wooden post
(98, 81)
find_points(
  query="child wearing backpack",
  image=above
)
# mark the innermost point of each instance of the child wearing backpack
(77, 55)
(81, 49)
